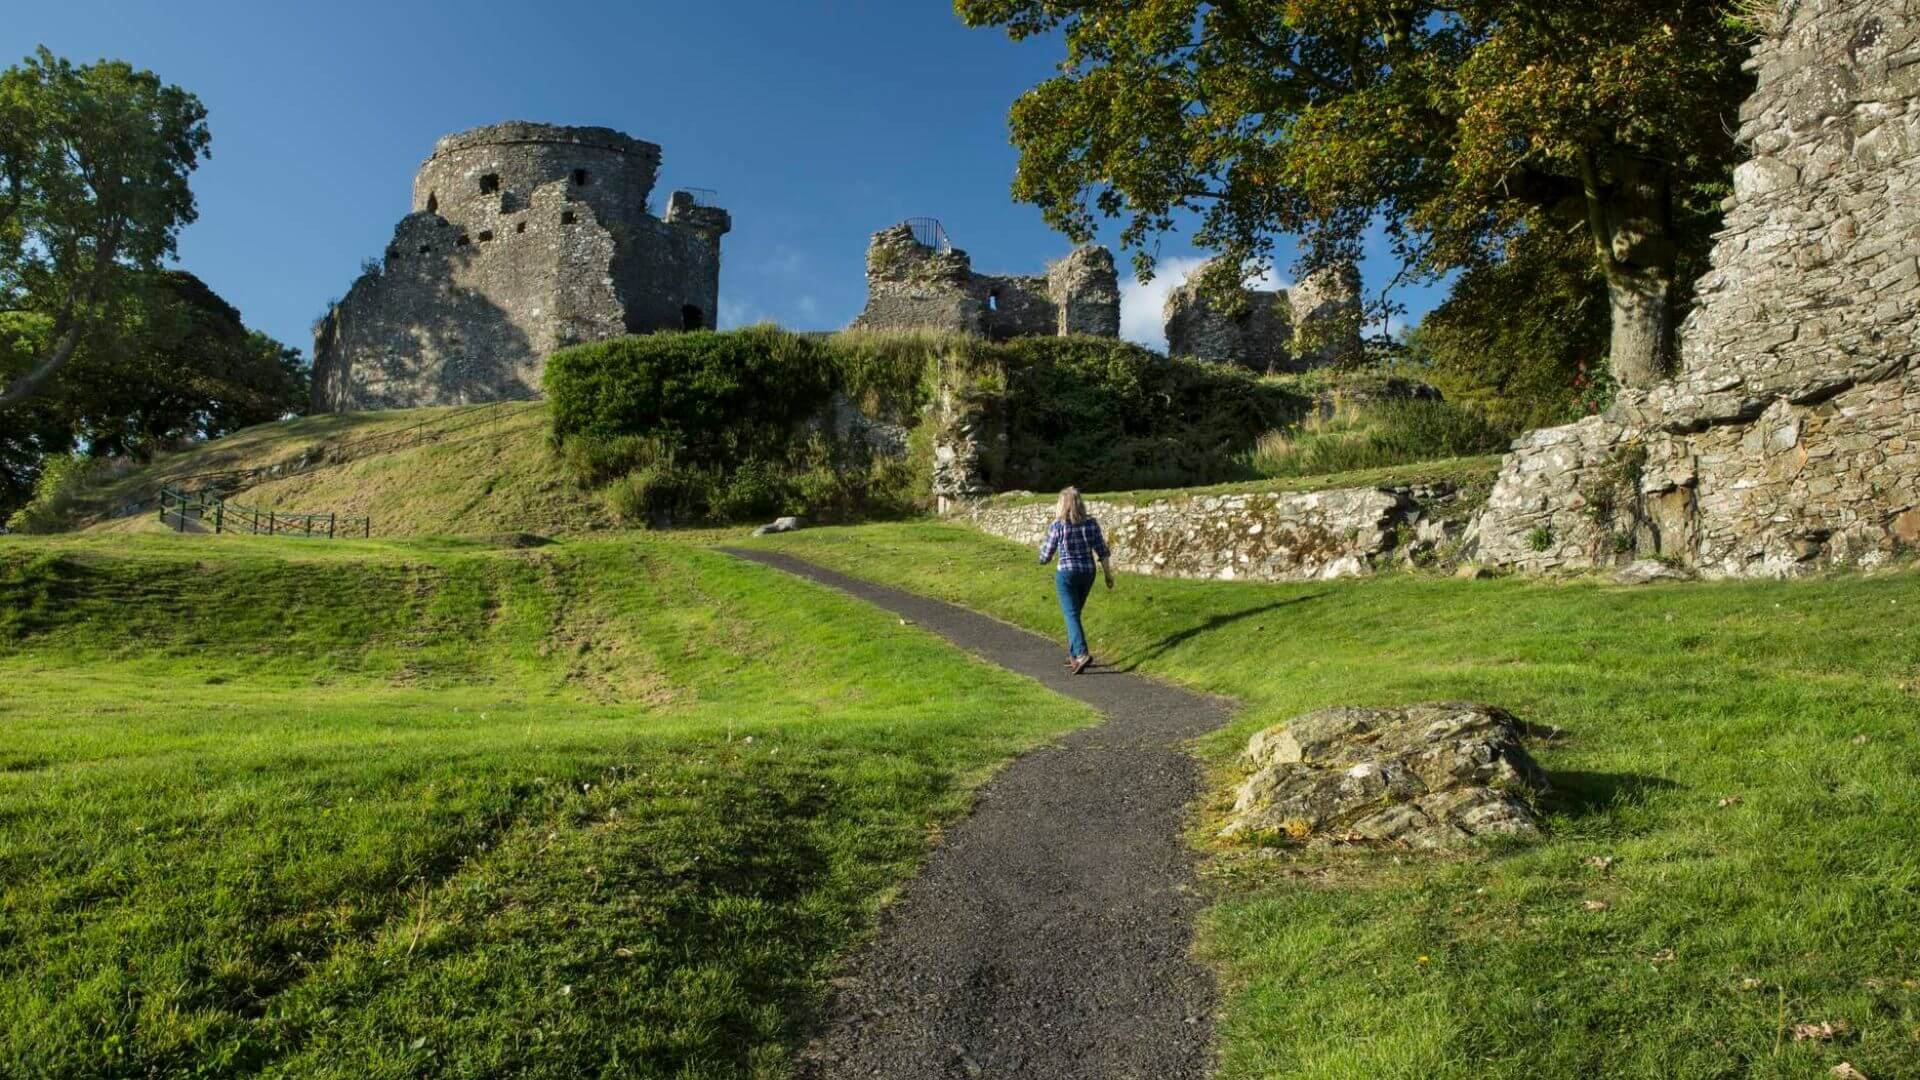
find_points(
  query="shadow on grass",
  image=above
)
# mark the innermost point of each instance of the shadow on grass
(1583, 794)
(1181, 637)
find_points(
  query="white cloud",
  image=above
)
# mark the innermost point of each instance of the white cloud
(737, 313)
(1141, 305)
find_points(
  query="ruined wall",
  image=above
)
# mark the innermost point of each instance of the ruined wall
(1313, 324)
(525, 238)
(1789, 439)
(1086, 291)
(912, 286)
(1326, 317)
(1259, 338)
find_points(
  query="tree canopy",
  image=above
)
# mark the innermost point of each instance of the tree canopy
(1457, 125)
(94, 162)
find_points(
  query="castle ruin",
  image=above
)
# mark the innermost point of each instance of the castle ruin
(917, 280)
(524, 238)
(1313, 324)
(1789, 439)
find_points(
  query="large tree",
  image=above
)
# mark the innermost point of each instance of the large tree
(175, 365)
(1458, 125)
(93, 191)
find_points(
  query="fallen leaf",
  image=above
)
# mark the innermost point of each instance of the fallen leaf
(1664, 956)
(1600, 862)
(1751, 984)
(1595, 905)
(1862, 739)
(1729, 800)
(1824, 1031)
(623, 953)
(1846, 1071)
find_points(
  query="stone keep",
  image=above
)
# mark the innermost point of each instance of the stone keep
(1789, 438)
(524, 238)
(913, 285)
(1315, 323)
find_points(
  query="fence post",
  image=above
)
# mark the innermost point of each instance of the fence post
(330, 524)
(219, 516)
(269, 523)
(366, 526)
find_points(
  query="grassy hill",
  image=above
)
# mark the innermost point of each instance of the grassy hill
(378, 809)
(458, 471)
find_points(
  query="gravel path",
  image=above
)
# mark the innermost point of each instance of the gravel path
(1049, 934)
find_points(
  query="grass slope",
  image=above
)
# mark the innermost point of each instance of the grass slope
(369, 809)
(468, 470)
(1747, 755)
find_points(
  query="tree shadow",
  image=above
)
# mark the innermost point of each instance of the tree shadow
(1583, 794)
(1180, 637)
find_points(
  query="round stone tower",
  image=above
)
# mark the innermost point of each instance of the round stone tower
(476, 175)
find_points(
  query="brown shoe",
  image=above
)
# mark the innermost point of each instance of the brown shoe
(1080, 664)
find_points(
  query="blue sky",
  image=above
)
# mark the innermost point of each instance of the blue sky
(817, 122)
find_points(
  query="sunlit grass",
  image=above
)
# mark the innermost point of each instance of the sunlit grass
(372, 809)
(1747, 755)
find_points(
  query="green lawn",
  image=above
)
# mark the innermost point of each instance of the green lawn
(379, 809)
(1745, 754)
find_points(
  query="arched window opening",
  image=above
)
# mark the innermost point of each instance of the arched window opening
(579, 178)
(490, 183)
(993, 300)
(691, 318)
(433, 203)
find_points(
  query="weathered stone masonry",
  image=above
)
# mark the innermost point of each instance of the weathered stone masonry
(912, 285)
(1314, 323)
(523, 238)
(1253, 536)
(1790, 437)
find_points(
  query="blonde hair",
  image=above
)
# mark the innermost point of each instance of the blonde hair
(1070, 509)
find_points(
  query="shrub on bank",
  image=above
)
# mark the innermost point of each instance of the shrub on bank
(737, 425)
(1111, 415)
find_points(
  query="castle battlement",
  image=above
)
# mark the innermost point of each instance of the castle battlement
(524, 238)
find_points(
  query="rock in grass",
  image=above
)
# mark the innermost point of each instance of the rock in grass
(778, 525)
(1425, 776)
(1647, 571)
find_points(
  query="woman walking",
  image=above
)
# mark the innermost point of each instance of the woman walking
(1076, 538)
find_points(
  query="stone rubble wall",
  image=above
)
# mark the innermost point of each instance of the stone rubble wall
(1789, 439)
(911, 286)
(1255, 536)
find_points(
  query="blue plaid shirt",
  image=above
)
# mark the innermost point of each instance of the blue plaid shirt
(1077, 545)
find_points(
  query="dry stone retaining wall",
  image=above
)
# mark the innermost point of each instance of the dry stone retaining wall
(1789, 439)
(1253, 536)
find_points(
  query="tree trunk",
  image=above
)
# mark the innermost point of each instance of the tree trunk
(1642, 344)
(1630, 214)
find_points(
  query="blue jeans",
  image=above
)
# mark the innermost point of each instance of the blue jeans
(1073, 587)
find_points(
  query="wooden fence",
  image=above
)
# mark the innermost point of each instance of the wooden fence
(179, 507)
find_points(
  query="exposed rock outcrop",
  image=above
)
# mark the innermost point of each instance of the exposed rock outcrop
(1427, 776)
